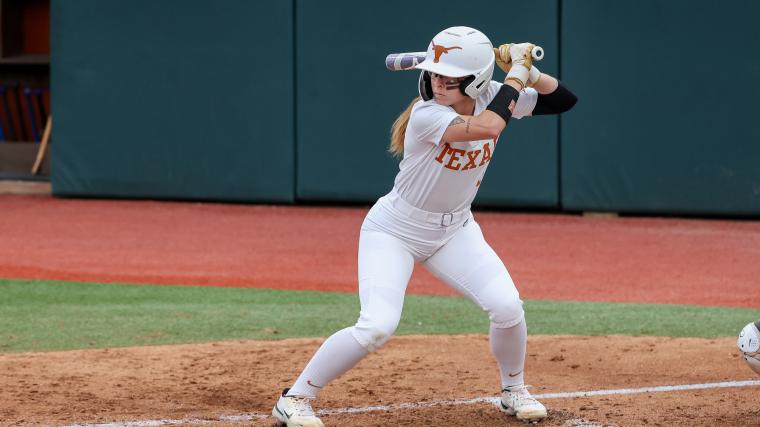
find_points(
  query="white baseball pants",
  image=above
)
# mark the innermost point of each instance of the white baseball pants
(395, 236)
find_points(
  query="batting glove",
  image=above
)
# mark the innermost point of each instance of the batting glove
(503, 60)
(533, 76)
(522, 61)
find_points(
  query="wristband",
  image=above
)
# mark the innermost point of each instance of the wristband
(500, 102)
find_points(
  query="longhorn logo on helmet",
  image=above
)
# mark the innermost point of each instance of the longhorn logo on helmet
(440, 50)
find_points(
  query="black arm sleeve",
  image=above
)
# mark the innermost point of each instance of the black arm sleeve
(556, 102)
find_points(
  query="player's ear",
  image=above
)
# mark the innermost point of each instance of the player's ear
(425, 86)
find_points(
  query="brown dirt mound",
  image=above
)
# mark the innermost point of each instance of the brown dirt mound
(207, 381)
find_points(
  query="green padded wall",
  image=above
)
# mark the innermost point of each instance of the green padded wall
(346, 100)
(666, 121)
(186, 99)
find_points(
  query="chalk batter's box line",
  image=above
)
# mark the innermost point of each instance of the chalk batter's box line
(418, 405)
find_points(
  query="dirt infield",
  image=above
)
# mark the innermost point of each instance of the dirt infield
(235, 383)
(209, 381)
(563, 257)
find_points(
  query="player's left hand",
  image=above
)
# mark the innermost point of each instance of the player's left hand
(503, 60)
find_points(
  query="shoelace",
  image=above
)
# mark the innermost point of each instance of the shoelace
(522, 395)
(302, 405)
(525, 398)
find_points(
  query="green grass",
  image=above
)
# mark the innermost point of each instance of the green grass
(45, 315)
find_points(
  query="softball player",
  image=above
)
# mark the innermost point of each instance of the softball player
(447, 139)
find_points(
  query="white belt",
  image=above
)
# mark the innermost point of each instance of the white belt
(443, 219)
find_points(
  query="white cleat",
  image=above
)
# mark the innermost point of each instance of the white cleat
(294, 411)
(516, 400)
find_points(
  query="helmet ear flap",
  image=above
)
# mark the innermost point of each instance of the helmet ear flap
(425, 86)
(466, 82)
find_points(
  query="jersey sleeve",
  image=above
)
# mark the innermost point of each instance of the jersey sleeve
(525, 103)
(429, 121)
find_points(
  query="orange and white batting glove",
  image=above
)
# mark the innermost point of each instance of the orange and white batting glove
(520, 54)
(533, 76)
(522, 60)
(504, 61)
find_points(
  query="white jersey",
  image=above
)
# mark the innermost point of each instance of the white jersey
(445, 177)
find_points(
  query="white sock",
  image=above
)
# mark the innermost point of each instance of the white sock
(508, 346)
(339, 353)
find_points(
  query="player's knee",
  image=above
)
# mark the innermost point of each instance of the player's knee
(506, 313)
(373, 336)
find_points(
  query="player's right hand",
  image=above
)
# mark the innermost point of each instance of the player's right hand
(522, 61)
(521, 53)
(533, 76)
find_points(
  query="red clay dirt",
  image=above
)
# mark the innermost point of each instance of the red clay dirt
(550, 256)
(209, 381)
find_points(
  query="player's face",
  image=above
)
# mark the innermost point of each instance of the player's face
(446, 89)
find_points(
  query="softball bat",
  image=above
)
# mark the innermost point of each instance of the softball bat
(408, 60)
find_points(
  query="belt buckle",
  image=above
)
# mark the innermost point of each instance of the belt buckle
(443, 219)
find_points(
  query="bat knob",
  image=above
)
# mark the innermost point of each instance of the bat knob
(537, 53)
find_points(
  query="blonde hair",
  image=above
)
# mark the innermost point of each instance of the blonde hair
(398, 130)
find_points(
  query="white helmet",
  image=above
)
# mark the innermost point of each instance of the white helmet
(459, 52)
(749, 345)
